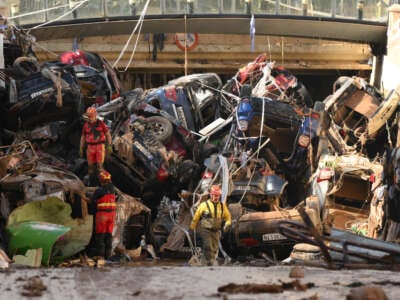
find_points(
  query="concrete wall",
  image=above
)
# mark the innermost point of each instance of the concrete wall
(391, 63)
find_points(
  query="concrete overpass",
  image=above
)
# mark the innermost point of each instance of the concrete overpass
(349, 30)
(304, 37)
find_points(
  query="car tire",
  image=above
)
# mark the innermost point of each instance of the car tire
(160, 128)
(26, 66)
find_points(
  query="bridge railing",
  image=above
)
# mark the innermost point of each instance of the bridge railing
(37, 11)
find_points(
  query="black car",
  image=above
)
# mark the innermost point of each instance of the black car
(49, 93)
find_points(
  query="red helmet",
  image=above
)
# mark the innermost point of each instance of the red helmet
(91, 111)
(215, 190)
(104, 177)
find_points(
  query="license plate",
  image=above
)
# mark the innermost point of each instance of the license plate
(243, 188)
(273, 237)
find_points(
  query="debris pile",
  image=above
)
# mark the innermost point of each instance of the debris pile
(291, 168)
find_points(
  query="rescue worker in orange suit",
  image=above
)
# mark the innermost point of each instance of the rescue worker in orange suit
(97, 138)
(213, 216)
(104, 197)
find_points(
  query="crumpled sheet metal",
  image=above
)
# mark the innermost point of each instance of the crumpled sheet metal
(351, 163)
(127, 206)
(69, 181)
(356, 248)
(18, 158)
(4, 260)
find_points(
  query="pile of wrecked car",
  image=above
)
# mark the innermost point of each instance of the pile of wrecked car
(282, 159)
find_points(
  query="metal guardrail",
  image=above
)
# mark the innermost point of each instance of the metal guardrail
(25, 12)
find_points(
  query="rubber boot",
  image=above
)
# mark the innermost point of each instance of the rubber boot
(100, 244)
(108, 245)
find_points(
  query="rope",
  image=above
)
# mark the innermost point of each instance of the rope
(60, 17)
(269, 47)
(250, 157)
(138, 25)
(186, 64)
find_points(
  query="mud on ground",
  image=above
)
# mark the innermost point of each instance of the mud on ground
(184, 282)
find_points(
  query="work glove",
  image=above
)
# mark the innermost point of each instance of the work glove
(226, 228)
(109, 149)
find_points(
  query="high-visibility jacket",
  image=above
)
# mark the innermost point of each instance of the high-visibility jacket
(106, 203)
(105, 209)
(211, 215)
(95, 133)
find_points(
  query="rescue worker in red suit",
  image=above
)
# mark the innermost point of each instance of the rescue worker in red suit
(104, 197)
(96, 137)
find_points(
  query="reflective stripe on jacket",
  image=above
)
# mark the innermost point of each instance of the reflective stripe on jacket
(106, 203)
(211, 216)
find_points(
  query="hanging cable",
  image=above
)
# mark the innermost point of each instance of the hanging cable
(269, 47)
(60, 17)
(138, 25)
(185, 45)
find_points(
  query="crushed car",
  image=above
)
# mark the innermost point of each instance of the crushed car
(268, 80)
(344, 186)
(41, 95)
(361, 116)
(97, 79)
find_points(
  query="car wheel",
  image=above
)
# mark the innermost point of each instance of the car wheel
(160, 127)
(26, 66)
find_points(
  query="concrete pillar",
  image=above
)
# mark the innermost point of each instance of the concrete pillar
(377, 68)
(391, 63)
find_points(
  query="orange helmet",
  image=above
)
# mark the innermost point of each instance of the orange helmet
(104, 177)
(215, 190)
(91, 111)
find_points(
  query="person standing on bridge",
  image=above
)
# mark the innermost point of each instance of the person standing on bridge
(213, 216)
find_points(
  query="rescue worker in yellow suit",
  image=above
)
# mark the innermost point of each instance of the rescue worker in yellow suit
(213, 216)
